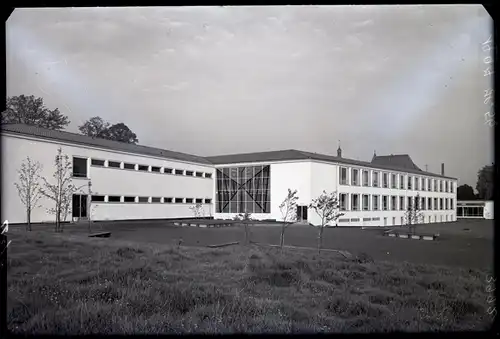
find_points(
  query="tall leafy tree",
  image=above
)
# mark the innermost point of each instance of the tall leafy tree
(121, 132)
(95, 127)
(485, 183)
(98, 128)
(29, 110)
(414, 214)
(465, 192)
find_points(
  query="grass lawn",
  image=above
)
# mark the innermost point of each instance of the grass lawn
(69, 284)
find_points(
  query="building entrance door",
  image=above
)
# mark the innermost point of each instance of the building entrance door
(302, 213)
(79, 206)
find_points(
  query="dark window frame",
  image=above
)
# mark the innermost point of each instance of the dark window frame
(167, 170)
(179, 202)
(125, 164)
(155, 169)
(101, 163)
(111, 197)
(79, 174)
(110, 164)
(141, 168)
(179, 172)
(127, 199)
(93, 197)
(145, 200)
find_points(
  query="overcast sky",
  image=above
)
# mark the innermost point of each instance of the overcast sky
(218, 80)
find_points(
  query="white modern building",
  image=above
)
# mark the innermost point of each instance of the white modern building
(372, 193)
(128, 181)
(138, 182)
(475, 209)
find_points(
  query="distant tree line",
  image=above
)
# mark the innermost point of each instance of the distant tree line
(29, 110)
(484, 186)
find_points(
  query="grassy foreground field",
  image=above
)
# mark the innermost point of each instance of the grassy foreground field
(68, 284)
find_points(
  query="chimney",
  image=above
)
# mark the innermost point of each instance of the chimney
(339, 151)
(442, 168)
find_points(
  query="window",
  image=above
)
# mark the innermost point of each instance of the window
(143, 199)
(179, 200)
(436, 206)
(156, 200)
(198, 174)
(189, 200)
(452, 187)
(114, 198)
(435, 185)
(375, 202)
(452, 206)
(179, 172)
(343, 176)
(429, 184)
(429, 203)
(354, 219)
(441, 205)
(394, 181)
(199, 201)
(366, 206)
(128, 199)
(409, 204)
(446, 203)
(167, 200)
(208, 201)
(355, 202)
(417, 181)
(79, 167)
(365, 178)
(143, 168)
(344, 220)
(355, 177)
(243, 189)
(375, 179)
(97, 198)
(128, 166)
(343, 201)
(385, 180)
(410, 178)
(422, 204)
(423, 184)
(167, 170)
(385, 202)
(394, 203)
(402, 182)
(401, 203)
(440, 186)
(376, 219)
(189, 173)
(96, 162)
(114, 164)
(155, 169)
(208, 175)
(367, 219)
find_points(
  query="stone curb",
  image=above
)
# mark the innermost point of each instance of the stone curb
(410, 236)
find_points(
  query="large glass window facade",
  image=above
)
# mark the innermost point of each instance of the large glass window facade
(244, 189)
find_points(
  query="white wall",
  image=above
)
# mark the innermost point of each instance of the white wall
(325, 176)
(105, 181)
(489, 210)
(295, 175)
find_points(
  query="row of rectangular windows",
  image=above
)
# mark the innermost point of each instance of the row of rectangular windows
(392, 204)
(420, 183)
(158, 200)
(80, 168)
(394, 219)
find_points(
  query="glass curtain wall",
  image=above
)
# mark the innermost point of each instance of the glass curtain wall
(243, 189)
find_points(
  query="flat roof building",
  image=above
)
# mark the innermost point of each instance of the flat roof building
(139, 182)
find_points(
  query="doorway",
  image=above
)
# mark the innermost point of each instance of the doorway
(385, 221)
(393, 220)
(79, 206)
(302, 213)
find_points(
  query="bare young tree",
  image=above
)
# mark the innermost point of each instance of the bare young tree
(62, 191)
(288, 209)
(246, 220)
(326, 207)
(413, 214)
(197, 210)
(28, 187)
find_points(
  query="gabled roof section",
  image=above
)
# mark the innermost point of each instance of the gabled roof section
(396, 161)
(292, 154)
(79, 139)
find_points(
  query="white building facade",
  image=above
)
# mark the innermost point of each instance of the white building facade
(126, 183)
(136, 182)
(369, 195)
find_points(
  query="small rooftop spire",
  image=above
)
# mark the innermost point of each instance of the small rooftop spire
(339, 151)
